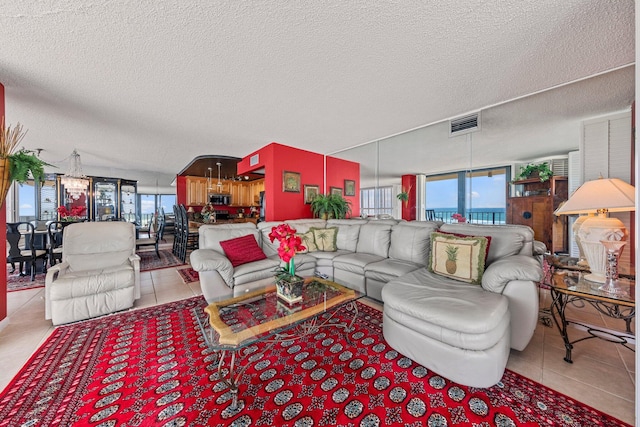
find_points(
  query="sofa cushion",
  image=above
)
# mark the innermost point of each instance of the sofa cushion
(389, 269)
(355, 262)
(411, 242)
(374, 239)
(92, 282)
(256, 270)
(506, 239)
(308, 241)
(210, 236)
(242, 250)
(454, 312)
(460, 258)
(325, 238)
(326, 258)
(347, 237)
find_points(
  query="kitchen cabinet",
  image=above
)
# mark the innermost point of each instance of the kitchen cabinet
(532, 203)
(239, 193)
(257, 186)
(246, 193)
(197, 194)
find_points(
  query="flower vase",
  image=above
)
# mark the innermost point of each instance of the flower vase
(289, 288)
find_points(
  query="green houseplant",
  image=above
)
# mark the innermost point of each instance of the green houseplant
(17, 165)
(330, 206)
(541, 170)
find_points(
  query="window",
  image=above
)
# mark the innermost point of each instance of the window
(151, 203)
(376, 201)
(26, 201)
(480, 196)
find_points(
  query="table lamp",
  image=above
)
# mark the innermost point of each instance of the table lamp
(600, 196)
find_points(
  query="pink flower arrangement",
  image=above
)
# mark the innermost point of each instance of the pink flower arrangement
(459, 217)
(74, 214)
(290, 244)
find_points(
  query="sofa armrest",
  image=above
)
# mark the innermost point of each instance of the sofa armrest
(210, 260)
(514, 267)
(539, 248)
(135, 263)
(52, 275)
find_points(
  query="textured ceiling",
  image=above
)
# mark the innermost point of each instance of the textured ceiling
(141, 87)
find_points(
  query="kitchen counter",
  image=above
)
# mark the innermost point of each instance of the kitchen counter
(223, 221)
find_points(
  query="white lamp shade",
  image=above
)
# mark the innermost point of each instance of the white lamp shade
(612, 194)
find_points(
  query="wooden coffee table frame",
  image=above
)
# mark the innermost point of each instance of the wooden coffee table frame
(294, 326)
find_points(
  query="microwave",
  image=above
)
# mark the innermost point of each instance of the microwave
(220, 199)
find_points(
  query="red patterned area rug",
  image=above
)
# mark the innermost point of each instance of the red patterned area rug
(149, 260)
(16, 282)
(150, 367)
(189, 275)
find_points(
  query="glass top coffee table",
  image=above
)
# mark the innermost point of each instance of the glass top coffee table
(233, 323)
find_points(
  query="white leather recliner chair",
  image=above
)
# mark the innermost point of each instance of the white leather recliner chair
(99, 273)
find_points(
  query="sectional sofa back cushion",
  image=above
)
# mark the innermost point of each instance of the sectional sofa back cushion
(210, 236)
(506, 240)
(374, 239)
(348, 232)
(98, 245)
(411, 241)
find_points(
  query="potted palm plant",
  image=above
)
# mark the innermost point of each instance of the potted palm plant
(17, 165)
(330, 206)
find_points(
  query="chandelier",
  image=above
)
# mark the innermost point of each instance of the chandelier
(74, 181)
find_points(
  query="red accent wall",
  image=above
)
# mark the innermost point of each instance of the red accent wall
(275, 159)
(409, 207)
(181, 190)
(3, 242)
(339, 170)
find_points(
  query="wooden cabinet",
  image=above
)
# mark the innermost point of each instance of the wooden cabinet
(239, 193)
(254, 192)
(246, 193)
(531, 202)
(197, 194)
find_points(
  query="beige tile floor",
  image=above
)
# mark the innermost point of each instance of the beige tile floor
(602, 375)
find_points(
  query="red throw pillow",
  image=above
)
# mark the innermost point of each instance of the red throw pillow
(242, 250)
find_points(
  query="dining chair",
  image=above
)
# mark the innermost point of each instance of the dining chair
(189, 234)
(22, 248)
(153, 241)
(55, 231)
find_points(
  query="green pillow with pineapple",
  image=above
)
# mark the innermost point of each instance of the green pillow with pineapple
(458, 257)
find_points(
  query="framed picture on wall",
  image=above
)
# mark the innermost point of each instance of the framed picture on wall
(310, 192)
(291, 181)
(349, 187)
(337, 191)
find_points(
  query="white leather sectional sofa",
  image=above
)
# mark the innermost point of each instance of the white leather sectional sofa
(462, 331)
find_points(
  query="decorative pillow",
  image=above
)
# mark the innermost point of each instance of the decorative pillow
(309, 241)
(242, 250)
(457, 257)
(468, 235)
(325, 238)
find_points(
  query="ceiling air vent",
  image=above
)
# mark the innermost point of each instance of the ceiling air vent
(466, 124)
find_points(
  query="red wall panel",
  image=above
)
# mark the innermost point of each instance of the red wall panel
(409, 207)
(276, 158)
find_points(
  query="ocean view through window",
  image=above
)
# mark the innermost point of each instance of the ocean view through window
(479, 196)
